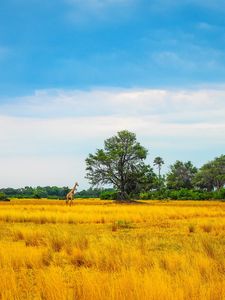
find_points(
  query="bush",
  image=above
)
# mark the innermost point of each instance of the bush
(173, 195)
(185, 194)
(54, 197)
(145, 196)
(182, 194)
(154, 195)
(109, 195)
(3, 197)
(220, 195)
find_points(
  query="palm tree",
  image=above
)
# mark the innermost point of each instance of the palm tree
(158, 161)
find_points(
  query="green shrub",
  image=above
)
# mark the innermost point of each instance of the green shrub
(182, 194)
(145, 196)
(54, 197)
(3, 197)
(220, 195)
(173, 195)
(109, 195)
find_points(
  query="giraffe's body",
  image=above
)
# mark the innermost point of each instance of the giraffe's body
(70, 195)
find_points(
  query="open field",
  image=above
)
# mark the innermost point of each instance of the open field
(102, 250)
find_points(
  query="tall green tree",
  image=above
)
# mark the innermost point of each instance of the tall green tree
(120, 163)
(181, 175)
(158, 162)
(211, 175)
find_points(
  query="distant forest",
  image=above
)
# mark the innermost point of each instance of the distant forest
(50, 192)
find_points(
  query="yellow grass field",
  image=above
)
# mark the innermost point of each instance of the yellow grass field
(103, 250)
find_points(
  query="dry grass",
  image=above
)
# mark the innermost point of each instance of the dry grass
(102, 250)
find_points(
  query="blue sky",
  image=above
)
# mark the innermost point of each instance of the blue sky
(74, 72)
(78, 44)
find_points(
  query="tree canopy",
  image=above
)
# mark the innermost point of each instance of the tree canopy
(181, 175)
(158, 161)
(120, 163)
(212, 174)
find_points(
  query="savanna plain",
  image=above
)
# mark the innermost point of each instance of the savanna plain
(99, 249)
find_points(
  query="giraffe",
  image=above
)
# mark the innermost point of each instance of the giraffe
(70, 195)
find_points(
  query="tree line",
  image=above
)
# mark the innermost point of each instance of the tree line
(49, 192)
(121, 165)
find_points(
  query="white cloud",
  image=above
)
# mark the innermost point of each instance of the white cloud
(54, 130)
(118, 102)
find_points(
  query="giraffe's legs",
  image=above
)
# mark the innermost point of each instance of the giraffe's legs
(68, 200)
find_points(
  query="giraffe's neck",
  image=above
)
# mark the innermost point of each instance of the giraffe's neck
(74, 188)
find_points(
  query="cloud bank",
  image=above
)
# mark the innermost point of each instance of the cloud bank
(45, 137)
